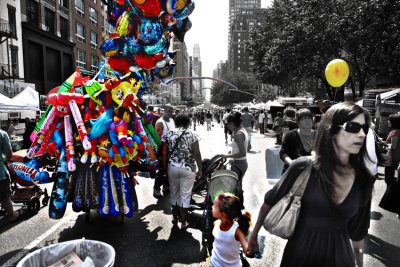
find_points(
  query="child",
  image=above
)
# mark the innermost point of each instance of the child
(228, 233)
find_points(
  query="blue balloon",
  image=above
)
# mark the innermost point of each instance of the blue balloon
(150, 31)
(101, 124)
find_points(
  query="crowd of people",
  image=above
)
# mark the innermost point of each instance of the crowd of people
(334, 218)
(335, 211)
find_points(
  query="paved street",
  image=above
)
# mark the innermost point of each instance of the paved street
(149, 239)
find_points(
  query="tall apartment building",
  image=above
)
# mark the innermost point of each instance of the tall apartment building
(221, 70)
(181, 70)
(47, 42)
(11, 64)
(198, 94)
(242, 26)
(238, 32)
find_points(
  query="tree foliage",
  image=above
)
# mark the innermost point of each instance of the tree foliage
(300, 37)
(223, 96)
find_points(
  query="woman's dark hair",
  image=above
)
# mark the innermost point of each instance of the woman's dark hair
(395, 121)
(233, 207)
(236, 119)
(317, 118)
(279, 114)
(289, 112)
(326, 159)
(303, 113)
(182, 120)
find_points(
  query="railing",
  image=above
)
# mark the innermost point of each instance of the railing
(6, 27)
(6, 72)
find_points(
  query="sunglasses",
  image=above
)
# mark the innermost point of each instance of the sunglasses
(354, 127)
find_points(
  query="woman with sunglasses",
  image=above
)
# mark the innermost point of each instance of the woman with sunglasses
(335, 211)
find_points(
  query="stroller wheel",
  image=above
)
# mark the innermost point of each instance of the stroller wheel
(34, 206)
(45, 201)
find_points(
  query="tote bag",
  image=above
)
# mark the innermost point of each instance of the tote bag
(282, 218)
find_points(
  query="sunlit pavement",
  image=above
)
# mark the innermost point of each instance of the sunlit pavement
(149, 238)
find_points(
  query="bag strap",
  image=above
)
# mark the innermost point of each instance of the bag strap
(176, 143)
(301, 182)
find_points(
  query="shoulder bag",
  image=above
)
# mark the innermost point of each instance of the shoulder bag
(282, 218)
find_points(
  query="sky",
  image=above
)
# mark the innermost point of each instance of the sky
(210, 30)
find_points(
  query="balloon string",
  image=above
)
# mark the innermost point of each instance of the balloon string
(334, 97)
(98, 72)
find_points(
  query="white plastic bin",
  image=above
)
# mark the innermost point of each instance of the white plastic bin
(273, 163)
(101, 253)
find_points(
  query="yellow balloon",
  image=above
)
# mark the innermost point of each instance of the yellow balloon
(336, 72)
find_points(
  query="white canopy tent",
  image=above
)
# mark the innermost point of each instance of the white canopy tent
(29, 96)
(11, 105)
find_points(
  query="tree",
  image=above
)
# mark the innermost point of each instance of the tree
(221, 95)
(300, 37)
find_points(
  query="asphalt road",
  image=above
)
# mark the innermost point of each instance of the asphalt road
(149, 238)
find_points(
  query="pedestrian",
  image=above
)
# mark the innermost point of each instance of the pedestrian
(277, 128)
(393, 139)
(154, 115)
(5, 183)
(317, 121)
(226, 128)
(335, 209)
(238, 155)
(248, 122)
(180, 155)
(288, 123)
(230, 230)
(163, 125)
(13, 127)
(298, 142)
(269, 120)
(29, 128)
(261, 119)
(208, 120)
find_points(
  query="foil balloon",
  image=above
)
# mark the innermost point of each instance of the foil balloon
(336, 72)
(150, 31)
(147, 8)
(120, 64)
(111, 47)
(124, 25)
(171, 6)
(184, 12)
(145, 61)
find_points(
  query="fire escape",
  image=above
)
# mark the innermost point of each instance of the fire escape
(8, 70)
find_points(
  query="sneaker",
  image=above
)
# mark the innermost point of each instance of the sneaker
(157, 193)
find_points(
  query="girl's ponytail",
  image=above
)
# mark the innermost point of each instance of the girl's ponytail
(244, 221)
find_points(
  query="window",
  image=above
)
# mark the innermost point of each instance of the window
(93, 16)
(63, 3)
(49, 20)
(80, 7)
(80, 32)
(32, 12)
(14, 60)
(80, 58)
(102, 23)
(93, 39)
(64, 28)
(94, 62)
(12, 21)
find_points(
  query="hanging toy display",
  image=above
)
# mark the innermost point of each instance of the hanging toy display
(101, 133)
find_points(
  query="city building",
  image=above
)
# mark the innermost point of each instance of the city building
(48, 55)
(244, 23)
(181, 92)
(89, 27)
(11, 52)
(236, 7)
(198, 94)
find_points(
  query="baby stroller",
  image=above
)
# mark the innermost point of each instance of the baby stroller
(29, 194)
(216, 179)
